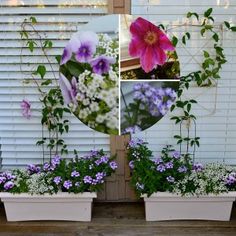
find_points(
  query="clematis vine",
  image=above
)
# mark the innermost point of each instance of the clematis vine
(26, 108)
(69, 90)
(148, 43)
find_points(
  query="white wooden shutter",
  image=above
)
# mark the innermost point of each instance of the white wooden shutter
(216, 112)
(58, 19)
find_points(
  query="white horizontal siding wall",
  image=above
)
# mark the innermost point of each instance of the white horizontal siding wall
(58, 19)
(216, 111)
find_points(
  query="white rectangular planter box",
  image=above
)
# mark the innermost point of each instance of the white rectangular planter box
(162, 206)
(61, 206)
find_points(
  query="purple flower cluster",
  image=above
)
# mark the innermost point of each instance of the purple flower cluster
(182, 169)
(132, 130)
(83, 45)
(33, 169)
(75, 174)
(57, 180)
(67, 184)
(198, 167)
(101, 160)
(170, 179)
(161, 168)
(231, 179)
(113, 165)
(176, 155)
(7, 180)
(133, 143)
(158, 100)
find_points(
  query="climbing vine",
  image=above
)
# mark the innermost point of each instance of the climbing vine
(206, 76)
(53, 109)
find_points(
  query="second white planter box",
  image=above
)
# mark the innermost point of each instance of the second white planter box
(61, 206)
(167, 206)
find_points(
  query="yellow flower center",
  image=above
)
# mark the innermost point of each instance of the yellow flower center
(150, 37)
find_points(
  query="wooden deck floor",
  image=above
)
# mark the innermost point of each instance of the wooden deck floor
(126, 219)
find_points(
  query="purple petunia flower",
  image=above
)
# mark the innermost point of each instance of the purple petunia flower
(170, 179)
(68, 89)
(101, 64)
(33, 169)
(169, 165)
(113, 165)
(161, 168)
(75, 173)
(89, 41)
(104, 159)
(131, 129)
(8, 185)
(26, 108)
(57, 180)
(2, 179)
(230, 180)
(198, 167)
(77, 184)
(131, 164)
(67, 184)
(133, 143)
(99, 176)
(46, 166)
(158, 160)
(176, 155)
(182, 169)
(56, 160)
(87, 179)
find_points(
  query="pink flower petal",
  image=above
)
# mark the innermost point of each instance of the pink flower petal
(165, 43)
(148, 59)
(160, 56)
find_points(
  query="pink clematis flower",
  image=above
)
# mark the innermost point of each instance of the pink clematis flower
(148, 43)
(69, 90)
(25, 106)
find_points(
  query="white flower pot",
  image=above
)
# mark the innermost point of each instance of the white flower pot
(61, 206)
(167, 206)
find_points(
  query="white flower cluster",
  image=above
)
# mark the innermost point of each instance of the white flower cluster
(94, 93)
(39, 184)
(210, 180)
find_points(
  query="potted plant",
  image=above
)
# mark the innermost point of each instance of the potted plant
(59, 190)
(175, 188)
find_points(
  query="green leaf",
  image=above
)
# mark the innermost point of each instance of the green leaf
(31, 45)
(203, 31)
(190, 14)
(174, 41)
(227, 24)
(184, 40)
(233, 28)
(33, 20)
(206, 54)
(47, 82)
(41, 70)
(208, 12)
(215, 37)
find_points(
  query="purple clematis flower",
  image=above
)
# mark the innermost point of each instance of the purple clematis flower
(69, 90)
(101, 64)
(230, 180)
(131, 164)
(2, 179)
(26, 108)
(169, 165)
(33, 169)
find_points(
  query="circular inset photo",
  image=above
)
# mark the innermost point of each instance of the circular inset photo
(89, 74)
(143, 104)
(147, 51)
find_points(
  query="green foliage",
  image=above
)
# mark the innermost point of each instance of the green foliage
(150, 176)
(37, 179)
(53, 109)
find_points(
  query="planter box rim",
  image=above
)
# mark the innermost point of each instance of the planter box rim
(174, 195)
(47, 195)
